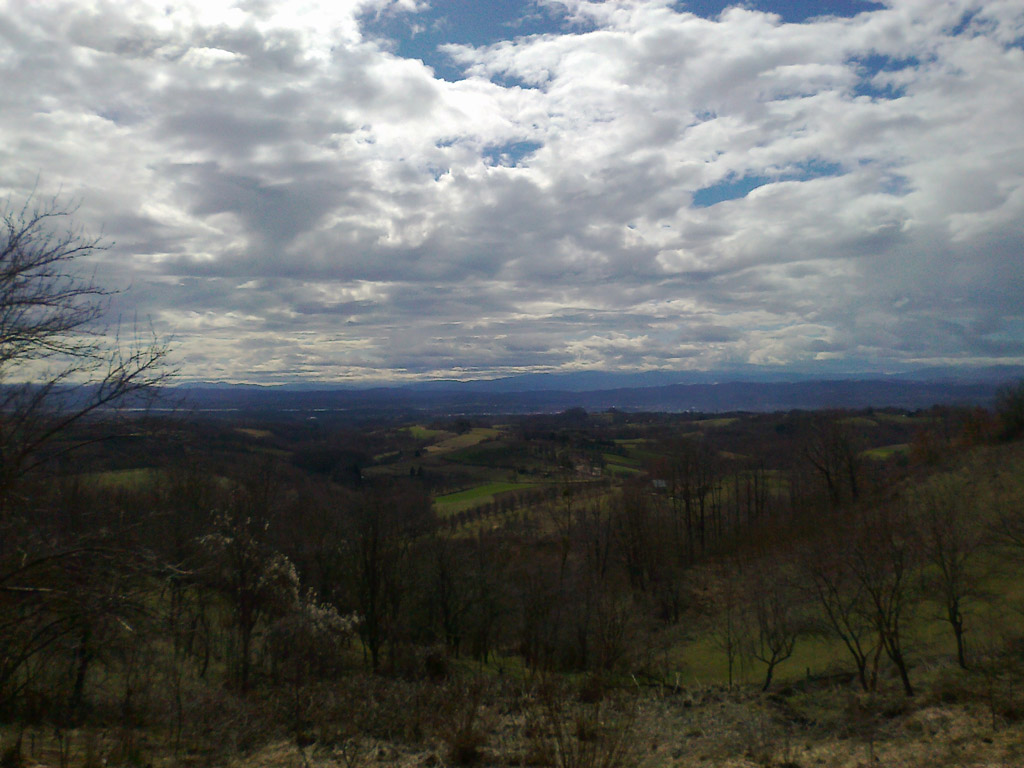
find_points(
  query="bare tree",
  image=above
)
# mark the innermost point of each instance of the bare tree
(449, 593)
(73, 586)
(776, 626)
(950, 542)
(728, 630)
(885, 558)
(58, 365)
(771, 609)
(830, 449)
(694, 488)
(382, 526)
(1007, 526)
(829, 578)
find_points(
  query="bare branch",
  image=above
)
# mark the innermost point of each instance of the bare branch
(58, 366)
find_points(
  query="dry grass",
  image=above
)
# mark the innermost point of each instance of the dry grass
(485, 725)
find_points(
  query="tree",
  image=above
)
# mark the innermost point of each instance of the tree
(73, 586)
(694, 488)
(727, 631)
(831, 450)
(950, 541)
(885, 558)
(58, 367)
(829, 577)
(258, 583)
(775, 624)
(770, 614)
(449, 592)
(382, 525)
(57, 364)
(1010, 409)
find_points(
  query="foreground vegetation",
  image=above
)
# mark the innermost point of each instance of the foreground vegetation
(830, 588)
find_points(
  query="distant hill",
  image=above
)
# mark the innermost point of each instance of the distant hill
(520, 396)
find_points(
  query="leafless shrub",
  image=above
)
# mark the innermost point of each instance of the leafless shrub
(566, 733)
(57, 362)
(768, 742)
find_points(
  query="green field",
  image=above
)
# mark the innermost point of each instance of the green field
(473, 437)
(131, 479)
(497, 454)
(617, 465)
(716, 423)
(858, 421)
(419, 432)
(733, 456)
(625, 461)
(619, 470)
(886, 452)
(901, 418)
(258, 434)
(452, 503)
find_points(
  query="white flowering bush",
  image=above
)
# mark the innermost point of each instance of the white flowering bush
(310, 642)
(259, 585)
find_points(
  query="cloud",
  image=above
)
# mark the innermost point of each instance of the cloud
(634, 187)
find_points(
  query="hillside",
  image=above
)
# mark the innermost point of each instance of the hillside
(483, 398)
(614, 589)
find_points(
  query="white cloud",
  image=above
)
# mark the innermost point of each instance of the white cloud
(290, 199)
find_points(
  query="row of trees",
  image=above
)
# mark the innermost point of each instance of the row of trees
(874, 576)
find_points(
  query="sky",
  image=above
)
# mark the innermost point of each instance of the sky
(393, 190)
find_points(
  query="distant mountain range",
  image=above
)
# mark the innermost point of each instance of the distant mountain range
(591, 381)
(597, 391)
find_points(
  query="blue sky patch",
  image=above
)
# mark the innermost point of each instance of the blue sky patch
(813, 169)
(437, 171)
(509, 155)
(791, 11)
(871, 65)
(733, 187)
(468, 22)
(730, 188)
(973, 24)
(965, 22)
(459, 22)
(511, 81)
